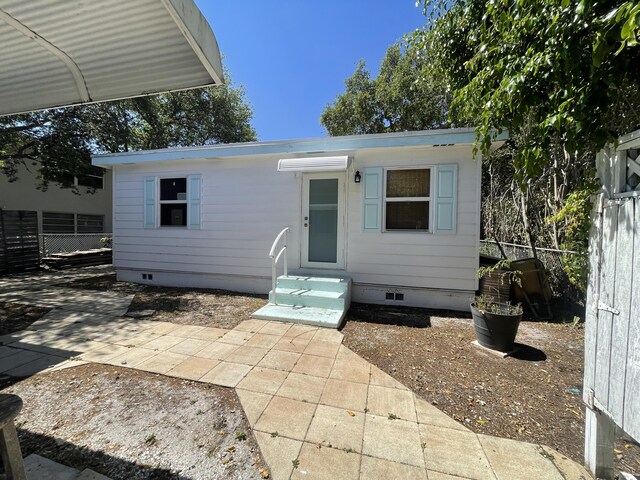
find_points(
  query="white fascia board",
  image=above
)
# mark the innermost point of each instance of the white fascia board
(435, 138)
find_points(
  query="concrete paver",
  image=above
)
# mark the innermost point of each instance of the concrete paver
(189, 346)
(395, 440)
(512, 460)
(302, 387)
(281, 451)
(385, 401)
(348, 395)
(289, 418)
(162, 362)
(428, 414)
(291, 344)
(326, 464)
(263, 380)
(279, 360)
(193, 368)
(469, 460)
(311, 401)
(337, 428)
(322, 348)
(253, 403)
(372, 467)
(132, 357)
(247, 355)
(226, 374)
(351, 371)
(314, 365)
(217, 350)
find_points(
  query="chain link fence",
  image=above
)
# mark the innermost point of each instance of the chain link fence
(551, 259)
(72, 242)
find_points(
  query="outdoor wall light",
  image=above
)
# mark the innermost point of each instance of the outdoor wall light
(357, 177)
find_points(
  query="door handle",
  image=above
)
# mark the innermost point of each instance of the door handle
(306, 225)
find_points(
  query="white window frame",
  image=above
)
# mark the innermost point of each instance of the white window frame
(161, 202)
(429, 199)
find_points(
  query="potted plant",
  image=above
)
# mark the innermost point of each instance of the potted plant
(496, 320)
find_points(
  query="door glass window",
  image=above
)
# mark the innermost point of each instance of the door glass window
(323, 220)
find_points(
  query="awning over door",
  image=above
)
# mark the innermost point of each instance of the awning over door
(314, 164)
(61, 52)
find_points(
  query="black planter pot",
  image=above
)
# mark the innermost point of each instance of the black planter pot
(495, 331)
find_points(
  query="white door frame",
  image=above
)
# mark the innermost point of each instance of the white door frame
(304, 238)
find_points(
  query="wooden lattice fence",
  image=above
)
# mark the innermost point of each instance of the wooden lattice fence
(19, 246)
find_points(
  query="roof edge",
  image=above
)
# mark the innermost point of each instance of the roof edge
(440, 137)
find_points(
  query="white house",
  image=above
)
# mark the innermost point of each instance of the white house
(397, 214)
(60, 210)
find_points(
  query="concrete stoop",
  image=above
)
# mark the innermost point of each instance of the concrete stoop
(41, 468)
(318, 301)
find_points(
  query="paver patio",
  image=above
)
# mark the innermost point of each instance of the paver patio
(318, 410)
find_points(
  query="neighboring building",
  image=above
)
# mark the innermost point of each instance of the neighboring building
(59, 209)
(407, 234)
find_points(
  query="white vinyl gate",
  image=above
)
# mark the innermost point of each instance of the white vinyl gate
(612, 336)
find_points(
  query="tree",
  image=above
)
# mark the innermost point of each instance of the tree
(562, 76)
(552, 71)
(58, 143)
(391, 102)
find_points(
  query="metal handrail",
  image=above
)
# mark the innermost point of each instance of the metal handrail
(275, 258)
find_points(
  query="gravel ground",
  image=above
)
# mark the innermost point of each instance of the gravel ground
(132, 425)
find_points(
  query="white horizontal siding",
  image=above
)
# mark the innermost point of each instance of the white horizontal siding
(245, 203)
(242, 214)
(417, 259)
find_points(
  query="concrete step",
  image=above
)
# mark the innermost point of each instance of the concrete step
(320, 317)
(308, 298)
(41, 468)
(325, 284)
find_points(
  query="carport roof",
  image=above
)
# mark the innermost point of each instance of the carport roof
(58, 53)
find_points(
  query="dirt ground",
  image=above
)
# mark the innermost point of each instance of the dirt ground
(534, 395)
(15, 317)
(205, 307)
(132, 425)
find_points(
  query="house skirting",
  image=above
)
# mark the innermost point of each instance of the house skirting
(363, 293)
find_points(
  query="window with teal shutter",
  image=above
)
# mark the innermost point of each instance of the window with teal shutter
(194, 194)
(150, 202)
(372, 200)
(446, 199)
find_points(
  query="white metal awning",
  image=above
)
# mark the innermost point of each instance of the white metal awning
(313, 164)
(62, 52)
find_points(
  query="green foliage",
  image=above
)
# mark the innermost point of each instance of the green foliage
(394, 101)
(549, 70)
(576, 215)
(58, 143)
(488, 304)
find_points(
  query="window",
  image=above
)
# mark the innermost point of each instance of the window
(71, 223)
(58, 222)
(90, 223)
(407, 199)
(173, 202)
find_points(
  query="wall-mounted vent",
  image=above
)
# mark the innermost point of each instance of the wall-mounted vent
(147, 276)
(313, 164)
(395, 296)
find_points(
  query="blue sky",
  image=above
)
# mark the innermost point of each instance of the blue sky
(293, 56)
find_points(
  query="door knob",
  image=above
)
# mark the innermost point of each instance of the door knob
(305, 225)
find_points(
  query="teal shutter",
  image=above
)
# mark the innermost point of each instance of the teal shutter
(372, 200)
(446, 198)
(194, 196)
(150, 192)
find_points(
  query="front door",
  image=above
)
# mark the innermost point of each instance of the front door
(323, 220)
